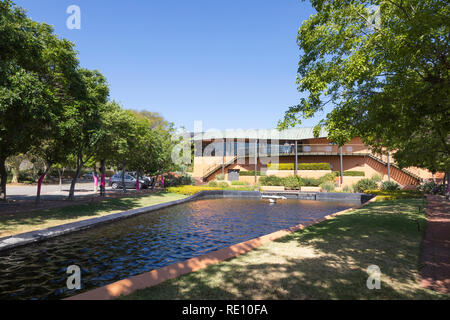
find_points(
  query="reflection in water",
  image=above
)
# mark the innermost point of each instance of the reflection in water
(122, 249)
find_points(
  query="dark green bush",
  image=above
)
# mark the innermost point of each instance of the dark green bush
(365, 184)
(173, 181)
(271, 181)
(292, 182)
(389, 186)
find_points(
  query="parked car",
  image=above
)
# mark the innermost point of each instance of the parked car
(147, 180)
(130, 182)
(88, 176)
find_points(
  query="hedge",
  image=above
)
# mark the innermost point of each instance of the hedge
(281, 166)
(395, 194)
(191, 190)
(301, 166)
(251, 173)
(295, 182)
(314, 166)
(354, 174)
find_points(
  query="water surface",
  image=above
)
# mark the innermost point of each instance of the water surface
(119, 250)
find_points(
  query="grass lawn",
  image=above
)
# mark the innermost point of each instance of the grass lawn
(326, 261)
(15, 223)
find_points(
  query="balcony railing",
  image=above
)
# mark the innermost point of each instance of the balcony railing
(283, 150)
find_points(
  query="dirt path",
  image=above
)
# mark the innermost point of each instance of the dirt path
(435, 256)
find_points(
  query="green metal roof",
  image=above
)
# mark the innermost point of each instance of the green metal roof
(263, 134)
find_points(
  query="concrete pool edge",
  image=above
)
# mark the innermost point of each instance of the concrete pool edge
(158, 276)
(27, 238)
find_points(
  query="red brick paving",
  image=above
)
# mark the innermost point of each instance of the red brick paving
(435, 256)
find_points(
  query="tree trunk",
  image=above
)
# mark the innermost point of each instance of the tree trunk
(15, 173)
(94, 175)
(3, 178)
(102, 178)
(447, 193)
(41, 179)
(124, 187)
(74, 182)
(138, 187)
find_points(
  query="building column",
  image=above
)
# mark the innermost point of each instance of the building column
(342, 164)
(389, 166)
(296, 157)
(256, 161)
(223, 158)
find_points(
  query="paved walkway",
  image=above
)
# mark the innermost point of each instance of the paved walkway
(435, 257)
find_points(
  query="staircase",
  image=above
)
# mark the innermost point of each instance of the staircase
(393, 165)
(216, 166)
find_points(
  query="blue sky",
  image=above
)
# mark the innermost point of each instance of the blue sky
(231, 64)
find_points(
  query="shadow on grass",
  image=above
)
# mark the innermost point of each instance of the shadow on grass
(77, 211)
(325, 261)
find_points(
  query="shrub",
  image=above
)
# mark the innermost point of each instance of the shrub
(366, 184)
(223, 185)
(348, 189)
(389, 186)
(271, 181)
(173, 181)
(220, 177)
(191, 190)
(292, 182)
(212, 184)
(329, 177)
(281, 166)
(310, 182)
(427, 187)
(314, 166)
(377, 178)
(354, 173)
(239, 183)
(395, 194)
(251, 173)
(328, 186)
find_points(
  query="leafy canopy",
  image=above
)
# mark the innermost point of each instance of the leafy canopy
(383, 68)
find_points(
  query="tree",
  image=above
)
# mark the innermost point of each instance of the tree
(383, 67)
(82, 121)
(36, 70)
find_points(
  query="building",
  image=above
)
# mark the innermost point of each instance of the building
(236, 153)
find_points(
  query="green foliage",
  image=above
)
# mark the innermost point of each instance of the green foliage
(295, 182)
(377, 178)
(191, 190)
(388, 81)
(220, 177)
(314, 166)
(173, 181)
(251, 173)
(395, 194)
(348, 189)
(213, 184)
(427, 187)
(281, 166)
(271, 181)
(389, 186)
(292, 182)
(353, 174)
(301, 166)
(328, 186)
(365, 184)
(239, 183)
